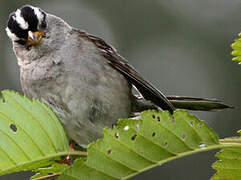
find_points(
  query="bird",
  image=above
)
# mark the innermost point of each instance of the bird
(86, 82)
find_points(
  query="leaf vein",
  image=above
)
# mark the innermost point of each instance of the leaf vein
(115, 160)
(127, 147)
(164, 149)
(56, 124)
(19, 147)
(24, 132)
(36, 120)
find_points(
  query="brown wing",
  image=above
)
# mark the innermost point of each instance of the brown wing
(148, 91)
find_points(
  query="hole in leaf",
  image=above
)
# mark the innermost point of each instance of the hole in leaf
(109, 152)
(165, 144)
(191, 123)
(133, 137)
(137, 127)
(126, 128)
(153, 116)
(173, 120)
(183, 136)
(158, 119)
(200, 124)
(13, 127)
(153, 134)
(116, 135)
(202, 145)
(3, 100)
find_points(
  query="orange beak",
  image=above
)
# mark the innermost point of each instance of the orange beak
(34, 38)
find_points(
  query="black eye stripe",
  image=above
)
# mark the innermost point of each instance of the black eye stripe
(44, 24)
(15, 28)
(30, 17)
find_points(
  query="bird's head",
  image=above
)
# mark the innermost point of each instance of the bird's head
(32, 29)
(26, 25)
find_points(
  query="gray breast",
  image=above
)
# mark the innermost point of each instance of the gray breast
(85, 92)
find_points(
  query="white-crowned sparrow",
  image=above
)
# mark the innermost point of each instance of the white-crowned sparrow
(86, 82)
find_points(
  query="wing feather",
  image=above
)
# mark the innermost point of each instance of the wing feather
(147, 90)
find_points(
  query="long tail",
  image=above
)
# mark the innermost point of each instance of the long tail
(197, 104)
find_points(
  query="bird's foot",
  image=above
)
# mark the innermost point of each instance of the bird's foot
(68, 160)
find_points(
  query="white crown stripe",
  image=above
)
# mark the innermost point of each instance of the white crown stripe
(22, 23)
(38, 13)
(11, 35)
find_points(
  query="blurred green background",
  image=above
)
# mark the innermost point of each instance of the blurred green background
(181, 46)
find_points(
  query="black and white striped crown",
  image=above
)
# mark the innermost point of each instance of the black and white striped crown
(24, 19)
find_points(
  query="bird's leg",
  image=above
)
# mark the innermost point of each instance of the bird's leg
(72, 146)
(67, 160)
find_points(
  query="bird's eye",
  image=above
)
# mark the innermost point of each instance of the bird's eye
(43, 22)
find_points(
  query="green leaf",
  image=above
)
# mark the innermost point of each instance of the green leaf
(52, 170)
(134, 146)
(237, 50)
(228, 166)
(31, 136)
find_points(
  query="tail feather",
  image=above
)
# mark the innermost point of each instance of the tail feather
(197, 104)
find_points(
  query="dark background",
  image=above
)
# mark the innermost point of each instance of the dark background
(181, 46)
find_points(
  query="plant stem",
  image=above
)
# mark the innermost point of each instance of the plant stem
(224, 143)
